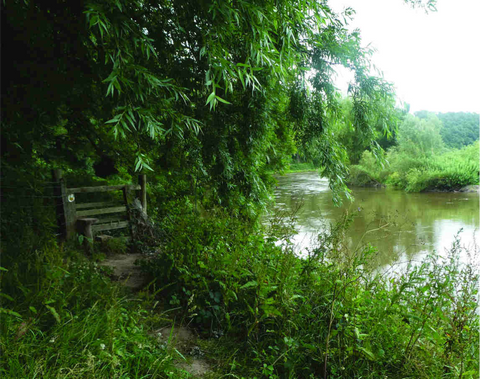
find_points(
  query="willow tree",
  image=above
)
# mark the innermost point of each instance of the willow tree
(218, 89)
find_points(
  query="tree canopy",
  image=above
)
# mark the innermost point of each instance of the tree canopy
(459, 128)
(223, 92)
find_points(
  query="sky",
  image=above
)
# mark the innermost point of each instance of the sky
(432, 59)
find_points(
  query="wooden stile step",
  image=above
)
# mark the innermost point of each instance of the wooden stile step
(101, 211)
(109, 226)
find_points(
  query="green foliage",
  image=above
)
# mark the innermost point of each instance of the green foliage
(114, 246)
(370, 172)
(459, 129)
(328, 314)
(299, 167)
(420, 138)
(452, 170)
(383, 129)
(63, 317)
(215, 90)
(214, 265)
(420, 161)
(428, 5)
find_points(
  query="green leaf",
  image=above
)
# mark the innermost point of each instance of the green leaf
(252, 283)
(222, 100)
(210, 98)
(6, 296)
(10, 312)
(367, 353)
(54, 313)
(138, 165)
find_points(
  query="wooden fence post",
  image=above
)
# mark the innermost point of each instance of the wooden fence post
(126, 198)
(142, 180)
(65, 210)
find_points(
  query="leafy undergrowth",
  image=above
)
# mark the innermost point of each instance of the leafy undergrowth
(65, 319)
(262, 311)
(272, 315)
(361, 177)
(448, 171)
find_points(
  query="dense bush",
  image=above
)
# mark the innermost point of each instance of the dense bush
(449, 171)
(367, 173)
(420, 161)
(361, 177)
(330, 314)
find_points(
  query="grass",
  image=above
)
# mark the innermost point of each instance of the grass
(65, 319)
(329, 315)
(262, 311)
(300, 167)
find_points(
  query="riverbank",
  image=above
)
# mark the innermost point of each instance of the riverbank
(448, 170)
(300, 167)
(245, 292)
(297, 168)
(360, 177)
(260, 309)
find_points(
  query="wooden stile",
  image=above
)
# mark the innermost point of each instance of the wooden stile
(94, 205)
(84, 218)
(110, 226)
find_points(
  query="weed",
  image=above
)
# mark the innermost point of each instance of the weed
(329, 315)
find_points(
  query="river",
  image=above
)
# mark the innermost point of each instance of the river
(411, 224)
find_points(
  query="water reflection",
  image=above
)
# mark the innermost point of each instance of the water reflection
(402, 226)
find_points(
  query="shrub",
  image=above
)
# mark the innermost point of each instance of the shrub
(451, 170)
(330, 314)
(360, 177)
(367, 173)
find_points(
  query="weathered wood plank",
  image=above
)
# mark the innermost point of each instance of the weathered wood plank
(112, 219)
(65, 210)
(110, 226)
(94, 205)
(84, 226)
(126, 196)
(102, 188)
(92, 212)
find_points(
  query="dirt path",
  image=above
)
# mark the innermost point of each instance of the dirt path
(184, 340)
(172, 337)
(125, 270)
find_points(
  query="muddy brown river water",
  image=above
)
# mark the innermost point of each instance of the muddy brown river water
(411, 224)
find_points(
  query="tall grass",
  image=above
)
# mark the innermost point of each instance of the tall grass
(63, 318)
(330, 315)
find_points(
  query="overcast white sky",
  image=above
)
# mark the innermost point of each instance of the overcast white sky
(432, 59)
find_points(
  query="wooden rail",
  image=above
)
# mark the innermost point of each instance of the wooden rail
(73, 217)
(92, 205)
(103, 188)
(100, 211)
